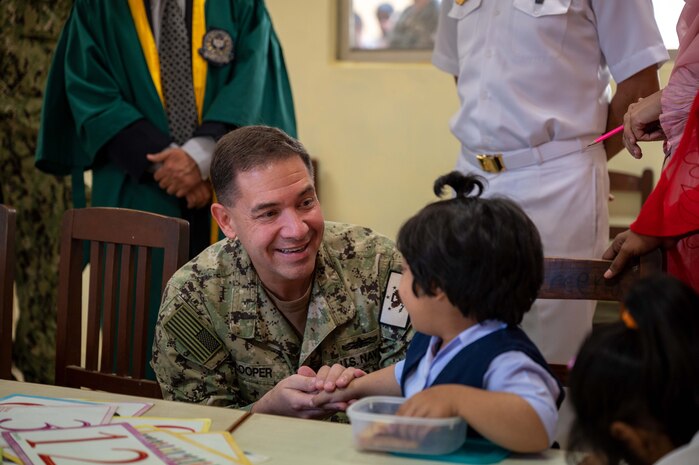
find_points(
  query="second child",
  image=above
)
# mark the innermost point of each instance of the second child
(635, 384)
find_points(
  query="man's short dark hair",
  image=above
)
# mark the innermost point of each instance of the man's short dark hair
(485, 254)
(247, 148)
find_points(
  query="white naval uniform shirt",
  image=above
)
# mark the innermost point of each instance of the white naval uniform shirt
(530, 73)
(537, 74)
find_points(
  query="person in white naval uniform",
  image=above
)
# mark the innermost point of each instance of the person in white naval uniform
(533, 78)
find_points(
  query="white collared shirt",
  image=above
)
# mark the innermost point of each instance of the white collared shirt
(156, 12)
(512, 372)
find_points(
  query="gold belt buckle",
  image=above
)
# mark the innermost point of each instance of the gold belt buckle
(491, 163)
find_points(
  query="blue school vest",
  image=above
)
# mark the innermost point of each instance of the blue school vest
(468, 367)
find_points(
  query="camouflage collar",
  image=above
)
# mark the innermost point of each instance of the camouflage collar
(329, 285)
(331, 304)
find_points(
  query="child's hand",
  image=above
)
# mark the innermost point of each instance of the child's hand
(336, 376)
(434, 402)
(334, 386)
(331, 384)
(339, 399)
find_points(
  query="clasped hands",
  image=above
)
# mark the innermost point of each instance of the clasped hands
(308, 394)
(336, 387)
(294, 396)
(179, 175)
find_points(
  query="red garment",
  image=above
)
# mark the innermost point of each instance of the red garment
(672, 209)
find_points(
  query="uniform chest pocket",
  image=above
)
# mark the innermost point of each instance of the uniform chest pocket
(461, 11)
(466, 24)
(538, 29)
(543, 8)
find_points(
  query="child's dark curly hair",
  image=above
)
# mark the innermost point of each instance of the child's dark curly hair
(485, 254)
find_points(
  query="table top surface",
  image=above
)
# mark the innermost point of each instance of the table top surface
(282, 440)
(291, 441)
(221, 418)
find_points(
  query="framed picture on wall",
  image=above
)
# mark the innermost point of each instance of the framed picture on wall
(387, 30)
(404, 30)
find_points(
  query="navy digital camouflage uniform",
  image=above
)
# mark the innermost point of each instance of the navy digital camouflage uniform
(29, 30)
(220, 340)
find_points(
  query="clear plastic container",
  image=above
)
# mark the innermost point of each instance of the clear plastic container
(375, 426)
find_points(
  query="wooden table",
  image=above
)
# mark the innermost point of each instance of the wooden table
(291, 441)
(221, 418)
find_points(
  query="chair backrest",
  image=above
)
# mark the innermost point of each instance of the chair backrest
(625, 182)
(121, 245)
(581, 279)
(7, 277)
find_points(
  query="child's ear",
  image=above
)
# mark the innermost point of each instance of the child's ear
(647, 446)
(439, 294)
(629, 436)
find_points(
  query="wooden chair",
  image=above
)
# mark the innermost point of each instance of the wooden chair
(7, 277)
(121, 244)
(624, 182)
(580, 279)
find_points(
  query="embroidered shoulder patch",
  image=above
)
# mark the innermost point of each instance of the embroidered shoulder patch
(393, 312)
(217, 47)
(190, 333)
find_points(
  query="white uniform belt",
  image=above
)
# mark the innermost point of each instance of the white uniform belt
(510, 160)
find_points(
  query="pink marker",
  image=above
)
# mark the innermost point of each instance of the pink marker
(607, 135)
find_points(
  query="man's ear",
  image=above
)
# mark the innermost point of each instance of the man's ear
(224, 220)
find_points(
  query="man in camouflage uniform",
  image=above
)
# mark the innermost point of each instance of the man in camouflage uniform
(253, 317)
(29, 31)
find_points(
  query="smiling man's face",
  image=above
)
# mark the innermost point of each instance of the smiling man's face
(277, 218)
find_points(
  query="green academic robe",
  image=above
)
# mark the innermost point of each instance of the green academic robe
(99, 85)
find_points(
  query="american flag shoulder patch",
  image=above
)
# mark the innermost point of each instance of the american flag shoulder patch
(184, 326)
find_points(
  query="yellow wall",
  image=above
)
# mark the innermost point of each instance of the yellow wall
(380, 131)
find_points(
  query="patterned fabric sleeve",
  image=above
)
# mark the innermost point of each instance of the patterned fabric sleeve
(676, 102)
(672, 210)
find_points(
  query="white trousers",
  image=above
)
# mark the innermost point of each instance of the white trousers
(567, 200)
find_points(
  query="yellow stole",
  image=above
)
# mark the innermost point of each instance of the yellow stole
(150, 51)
